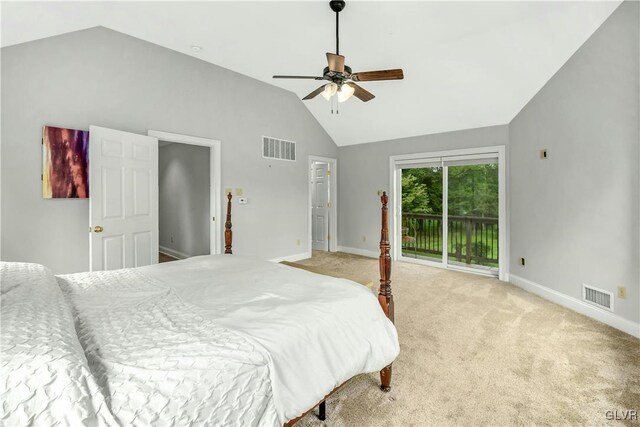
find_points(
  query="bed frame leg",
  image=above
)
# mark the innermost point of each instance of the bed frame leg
(322, 410)
(385, 379)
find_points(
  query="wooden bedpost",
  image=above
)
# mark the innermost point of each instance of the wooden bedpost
(385, 297)
(228, 234)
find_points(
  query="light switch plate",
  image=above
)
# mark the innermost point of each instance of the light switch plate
(238, 191)
(243, 200)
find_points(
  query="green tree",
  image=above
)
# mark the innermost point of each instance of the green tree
(430, 181)
(414, 195)
(473, 190)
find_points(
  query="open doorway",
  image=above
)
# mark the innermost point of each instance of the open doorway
(189, 184)
(183, 200)
(322, 204)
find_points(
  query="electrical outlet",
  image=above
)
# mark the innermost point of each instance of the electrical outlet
(622, 292)
(543, 153)
(364, 238)
(522, 261)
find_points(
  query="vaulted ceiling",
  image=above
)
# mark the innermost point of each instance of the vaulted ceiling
(466, 64)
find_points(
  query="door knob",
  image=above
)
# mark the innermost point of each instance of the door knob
(98, 229)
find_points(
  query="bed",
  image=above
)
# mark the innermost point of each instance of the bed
(210, 340)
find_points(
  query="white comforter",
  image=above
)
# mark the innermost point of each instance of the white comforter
(44, 376)
(224, 340)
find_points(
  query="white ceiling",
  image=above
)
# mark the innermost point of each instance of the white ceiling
(466, 64)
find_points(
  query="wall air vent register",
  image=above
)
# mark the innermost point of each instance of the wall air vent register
(597, 297)
(280, 149)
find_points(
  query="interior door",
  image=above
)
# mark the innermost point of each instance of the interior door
(123, 206)
(320, 204)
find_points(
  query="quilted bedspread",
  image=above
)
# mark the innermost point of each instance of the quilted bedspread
(44, 376)
(162, 361)
(212, 340)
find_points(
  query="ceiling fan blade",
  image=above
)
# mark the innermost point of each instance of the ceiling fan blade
(314, 93)
(368, 76)
(336, 62)
(298, 77)
(361, 93)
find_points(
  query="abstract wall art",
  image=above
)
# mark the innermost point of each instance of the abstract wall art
(65, 163)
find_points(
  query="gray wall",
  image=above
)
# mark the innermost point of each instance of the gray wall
(105, 78)
(364, 169)
(574, 217)
(184, 196)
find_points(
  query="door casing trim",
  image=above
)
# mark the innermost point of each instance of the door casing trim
(215, 180)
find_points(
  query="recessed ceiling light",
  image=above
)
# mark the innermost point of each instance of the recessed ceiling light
(196, 49)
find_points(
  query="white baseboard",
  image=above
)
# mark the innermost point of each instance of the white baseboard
(357, 251)
(173, 253)
(292, 258)
(577, 305)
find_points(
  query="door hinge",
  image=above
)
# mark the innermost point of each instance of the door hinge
(328, 205)
(328, 172)
(213, 219)
(328, 237)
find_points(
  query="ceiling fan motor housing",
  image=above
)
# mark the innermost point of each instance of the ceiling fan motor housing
(335, 76)
(337, 5)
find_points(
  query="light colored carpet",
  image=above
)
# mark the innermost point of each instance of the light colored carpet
(477, 351)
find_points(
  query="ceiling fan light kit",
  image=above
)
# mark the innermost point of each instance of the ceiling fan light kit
(341, 78)
(330, 89)
(345, 92)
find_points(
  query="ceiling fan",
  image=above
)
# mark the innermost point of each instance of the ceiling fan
(341, 78)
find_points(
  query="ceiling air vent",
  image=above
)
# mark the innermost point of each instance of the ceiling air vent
(274, 148)
(597, 297)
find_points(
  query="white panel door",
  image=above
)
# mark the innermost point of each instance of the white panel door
(123, 206)
(320, 203)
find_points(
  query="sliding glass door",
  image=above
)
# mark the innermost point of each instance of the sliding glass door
(449, 211)
(472, 215)
(421, 230)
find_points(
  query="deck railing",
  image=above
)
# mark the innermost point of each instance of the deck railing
(472, 239)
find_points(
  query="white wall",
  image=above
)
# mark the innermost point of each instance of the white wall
(364, 169)
(575, 217)
(101, 77)
(184, 195)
